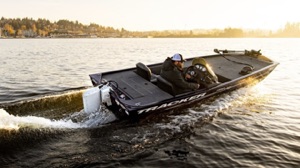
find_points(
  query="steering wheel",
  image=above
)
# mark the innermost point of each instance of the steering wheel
(199, 74)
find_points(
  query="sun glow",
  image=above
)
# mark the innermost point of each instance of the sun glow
(161, 15)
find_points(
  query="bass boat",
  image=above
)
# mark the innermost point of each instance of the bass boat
(140, 90)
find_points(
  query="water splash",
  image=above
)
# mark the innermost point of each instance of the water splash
(57, 110)
(93, 119)
(76, 120)
(207, 110)
(9, 122)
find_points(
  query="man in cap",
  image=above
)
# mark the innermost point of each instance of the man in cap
(172, 71)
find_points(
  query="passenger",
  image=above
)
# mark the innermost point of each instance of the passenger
(172, 71)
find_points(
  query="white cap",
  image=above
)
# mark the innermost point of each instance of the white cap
(177, 57)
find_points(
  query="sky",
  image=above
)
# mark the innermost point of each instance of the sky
(146, 15)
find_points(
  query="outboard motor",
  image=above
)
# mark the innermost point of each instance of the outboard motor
(94, 97)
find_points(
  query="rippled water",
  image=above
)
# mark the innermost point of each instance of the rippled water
(42, 123)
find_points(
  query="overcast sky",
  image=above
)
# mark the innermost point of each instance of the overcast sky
(160, 14)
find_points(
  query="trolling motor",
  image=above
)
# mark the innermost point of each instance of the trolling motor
(94, 97)
(246, 52)
(229, 51)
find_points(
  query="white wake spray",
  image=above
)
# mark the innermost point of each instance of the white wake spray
(9, 122)
(242, 96)
(83, 120)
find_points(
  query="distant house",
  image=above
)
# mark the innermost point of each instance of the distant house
(61, 33)
(29, 33)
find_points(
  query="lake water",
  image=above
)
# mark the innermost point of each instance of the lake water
(42, 123)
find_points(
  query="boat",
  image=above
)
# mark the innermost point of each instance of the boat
(141, 90)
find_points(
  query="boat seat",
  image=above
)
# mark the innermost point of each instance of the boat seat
(145, 72)
(165, 85)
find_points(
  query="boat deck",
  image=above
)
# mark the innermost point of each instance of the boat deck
(137, 88)
(229, 70)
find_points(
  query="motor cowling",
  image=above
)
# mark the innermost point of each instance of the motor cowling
(94, 97)
(105, 96)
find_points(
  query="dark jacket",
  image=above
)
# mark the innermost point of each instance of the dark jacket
(171, 73)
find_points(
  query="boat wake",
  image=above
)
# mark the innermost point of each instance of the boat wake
(9, 122)
(56, 111)
(207, 110)
(76, 120)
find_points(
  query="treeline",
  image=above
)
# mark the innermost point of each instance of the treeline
(30, 28)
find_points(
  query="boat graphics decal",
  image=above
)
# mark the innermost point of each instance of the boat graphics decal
(171, 103)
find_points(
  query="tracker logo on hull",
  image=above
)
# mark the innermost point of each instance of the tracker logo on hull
(171, 103)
